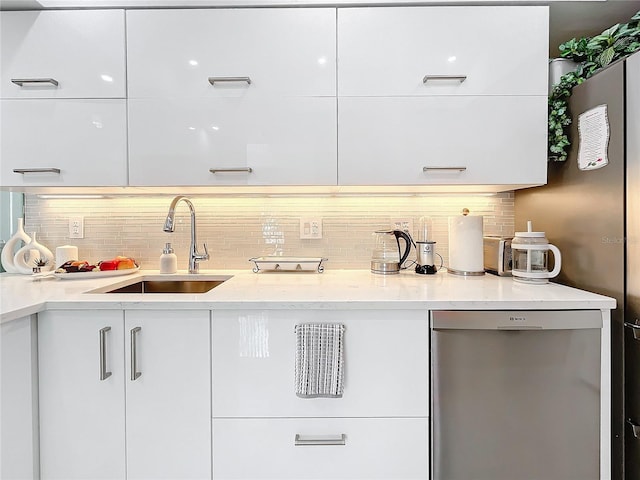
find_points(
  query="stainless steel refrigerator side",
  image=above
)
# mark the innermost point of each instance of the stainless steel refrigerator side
(632, 312)
(583, 214)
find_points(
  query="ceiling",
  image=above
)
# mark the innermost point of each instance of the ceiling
(568, 18)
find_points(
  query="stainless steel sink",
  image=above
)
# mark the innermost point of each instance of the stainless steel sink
(168, 286)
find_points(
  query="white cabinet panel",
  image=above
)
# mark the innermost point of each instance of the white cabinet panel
(374, 448)
(389, 51)
(82, 418)
(385, 359)
(283, 141)
(84, 139)
(386, 141)
(156, 426)
(169, 404)
(19, 400)
(282, 50)
(83, 50)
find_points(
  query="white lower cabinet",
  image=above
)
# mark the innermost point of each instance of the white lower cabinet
(367, 449)
(19, 400)
(382, 417)
(124, 395)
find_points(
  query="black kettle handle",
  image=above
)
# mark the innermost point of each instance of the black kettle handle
(408, 241)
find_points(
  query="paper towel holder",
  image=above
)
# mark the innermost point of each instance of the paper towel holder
(466, 245)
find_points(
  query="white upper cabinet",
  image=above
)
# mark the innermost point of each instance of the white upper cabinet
(232, 97)
(231, 52)
(62, 54)
(442, 51)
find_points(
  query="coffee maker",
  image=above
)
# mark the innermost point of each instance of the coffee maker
(425, 248)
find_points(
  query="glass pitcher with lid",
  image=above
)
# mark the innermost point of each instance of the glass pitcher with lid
(531, 257)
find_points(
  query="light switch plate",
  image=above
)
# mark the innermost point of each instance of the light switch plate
(310, 228)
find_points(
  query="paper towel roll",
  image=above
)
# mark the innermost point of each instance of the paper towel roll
(466, 255)
(66, 253)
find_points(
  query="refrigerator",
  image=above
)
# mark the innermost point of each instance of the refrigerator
(593, 217)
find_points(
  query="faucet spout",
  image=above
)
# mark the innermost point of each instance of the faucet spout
(169, 227)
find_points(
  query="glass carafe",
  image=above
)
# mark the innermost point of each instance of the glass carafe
(531, 257)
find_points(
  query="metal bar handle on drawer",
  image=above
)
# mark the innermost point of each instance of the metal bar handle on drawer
(39, 81)
(213, 80)
(134, 355)
(460, 78)
(103, 353)
(225, 170)
(36, 170)
(635, 327)
(443, 169)
(320, 440)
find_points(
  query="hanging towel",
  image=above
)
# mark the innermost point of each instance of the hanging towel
(319, 360)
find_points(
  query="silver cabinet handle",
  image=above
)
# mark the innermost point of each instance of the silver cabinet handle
(320, 440)
(460, 78)
(239, 169)
(22, 171)
(443, 169)
(635, 327)
(134, 355)
(213, 80)
(103, 353)
(635, 428)
(37, 81)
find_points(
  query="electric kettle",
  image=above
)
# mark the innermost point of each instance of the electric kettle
(387, 257)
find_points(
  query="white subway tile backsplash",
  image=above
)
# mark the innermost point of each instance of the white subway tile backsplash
(238, 228)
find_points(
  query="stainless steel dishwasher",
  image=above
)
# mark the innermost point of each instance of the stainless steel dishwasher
(515, 395)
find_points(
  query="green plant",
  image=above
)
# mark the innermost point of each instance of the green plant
(591, 54)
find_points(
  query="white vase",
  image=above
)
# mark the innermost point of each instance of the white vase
(24, 259)
(8, 252)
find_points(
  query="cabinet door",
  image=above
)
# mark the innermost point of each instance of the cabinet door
(86, 140)
(82, 414)
(385, 364)
(19, 399)
(81, 50)
(283, 51)
(169, 403)
(404, 140)
(389, 51)
(266, 141)
(372, 448)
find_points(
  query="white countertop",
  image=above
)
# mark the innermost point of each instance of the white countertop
(21, 295)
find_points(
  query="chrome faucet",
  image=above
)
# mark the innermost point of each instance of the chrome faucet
(169, 227)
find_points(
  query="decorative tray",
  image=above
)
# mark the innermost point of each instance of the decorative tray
(288, 264)
(99, 274)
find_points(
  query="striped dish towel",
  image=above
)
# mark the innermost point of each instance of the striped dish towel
(319, 360)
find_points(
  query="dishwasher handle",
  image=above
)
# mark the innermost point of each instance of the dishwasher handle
(516, 320)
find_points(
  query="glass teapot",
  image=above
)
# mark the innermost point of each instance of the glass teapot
(531, 256)
(387, 257)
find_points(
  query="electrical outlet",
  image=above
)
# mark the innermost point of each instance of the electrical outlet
(310, 228)
(404, 224)
(76, 227)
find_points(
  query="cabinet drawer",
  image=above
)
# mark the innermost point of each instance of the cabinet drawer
(84, 139)
(380, 448)
(82, 50)
(385, 364)
(458, 41)
(283, 141)
(497, 140)
(281, 50)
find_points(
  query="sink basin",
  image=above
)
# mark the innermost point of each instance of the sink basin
(168, 286)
